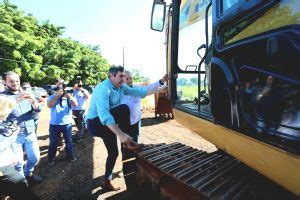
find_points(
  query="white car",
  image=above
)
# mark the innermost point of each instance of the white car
(42, 91)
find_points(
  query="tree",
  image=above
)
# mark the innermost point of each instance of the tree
(138, 77)
(182, 82)
(38, 53)
(194, 81)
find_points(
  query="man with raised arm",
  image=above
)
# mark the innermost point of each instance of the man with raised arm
(108, 119)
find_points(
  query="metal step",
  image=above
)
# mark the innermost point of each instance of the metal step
(177, 171)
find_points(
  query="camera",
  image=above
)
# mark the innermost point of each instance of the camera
(8, 128)
(64, 87)
(79, 82)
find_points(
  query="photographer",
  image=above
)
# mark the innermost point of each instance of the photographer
(12, 183)
(58, 82)
(81, 95)
(23, 113)
(60, 105)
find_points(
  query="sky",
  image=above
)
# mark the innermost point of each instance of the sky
(110, 24)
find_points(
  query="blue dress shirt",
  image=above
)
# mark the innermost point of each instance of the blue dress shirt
(106, 96)
(79, 96)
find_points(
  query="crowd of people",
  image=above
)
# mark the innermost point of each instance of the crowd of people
(114, 115)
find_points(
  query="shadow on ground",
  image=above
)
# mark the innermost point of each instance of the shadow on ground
(65, 179)
(81, 179)
(150, 121)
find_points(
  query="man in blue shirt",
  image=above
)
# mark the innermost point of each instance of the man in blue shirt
(81, 95)
(108, 118)
(60, 122)
(23, 113)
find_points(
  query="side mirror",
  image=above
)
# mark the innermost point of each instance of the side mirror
(158, 15)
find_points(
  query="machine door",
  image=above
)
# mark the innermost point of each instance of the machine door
(260, 43)
(192, 80)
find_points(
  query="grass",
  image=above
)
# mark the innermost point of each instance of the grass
(188, 92)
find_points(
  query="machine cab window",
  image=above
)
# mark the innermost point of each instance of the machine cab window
(192, 83)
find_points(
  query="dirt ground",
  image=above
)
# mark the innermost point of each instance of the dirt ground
(81, 179)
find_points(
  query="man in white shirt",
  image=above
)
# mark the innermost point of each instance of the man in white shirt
(134, 103)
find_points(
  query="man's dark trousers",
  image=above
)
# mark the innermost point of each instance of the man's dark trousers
(79, 121)
(121, 115)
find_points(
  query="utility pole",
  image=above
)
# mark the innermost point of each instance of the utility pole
(123, 58)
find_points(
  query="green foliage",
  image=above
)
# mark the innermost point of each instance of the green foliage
(138, 77)
(194, 81)
(188, 92)
(182, 81)
(40, 55)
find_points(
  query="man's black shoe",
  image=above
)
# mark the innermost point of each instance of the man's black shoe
(79, 140)
(34, 179)
(51, 162)
(71, 158)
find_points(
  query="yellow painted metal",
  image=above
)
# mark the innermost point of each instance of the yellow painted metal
(276, 164)
(169, 50)
(282, 14)
(192, 11)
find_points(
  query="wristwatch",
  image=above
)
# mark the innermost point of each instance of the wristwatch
(161, 83)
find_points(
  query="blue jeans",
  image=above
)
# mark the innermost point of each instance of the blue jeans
(97, 129)
(29, 144)
(54, 136)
